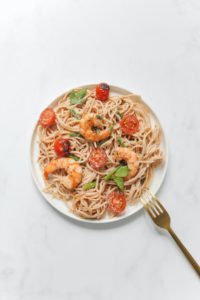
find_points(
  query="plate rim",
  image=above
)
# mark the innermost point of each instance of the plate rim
(73, 216)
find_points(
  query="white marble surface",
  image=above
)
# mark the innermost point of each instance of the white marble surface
(150, 47)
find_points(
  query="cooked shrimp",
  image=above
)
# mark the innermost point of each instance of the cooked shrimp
(88, 123)
(72, 168)
(131, 158)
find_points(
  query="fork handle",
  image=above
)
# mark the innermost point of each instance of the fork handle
(185, 251)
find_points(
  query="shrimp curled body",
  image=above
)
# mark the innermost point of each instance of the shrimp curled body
(72, 168)
(131, 158)
(87, 124)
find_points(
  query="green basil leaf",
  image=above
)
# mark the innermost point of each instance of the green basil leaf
(119, 114)
(122, 171)
(74, 134)
(76, 97)
(76, 158)
(110, 128)
(89, 185)
(74, 114)
(119, 182)
(99, 117)
(102, 142)
(109, 175)
(120, 142)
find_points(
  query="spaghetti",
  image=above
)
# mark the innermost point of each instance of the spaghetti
(90, 198)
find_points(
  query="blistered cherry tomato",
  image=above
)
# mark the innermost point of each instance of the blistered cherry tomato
(97, 158)
(62, 147)
(129, 124)
(116, 202)
(47, 117)
(102, 91)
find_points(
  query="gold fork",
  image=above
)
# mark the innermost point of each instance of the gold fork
(161, 218)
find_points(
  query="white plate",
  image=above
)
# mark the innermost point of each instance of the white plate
(157, 180)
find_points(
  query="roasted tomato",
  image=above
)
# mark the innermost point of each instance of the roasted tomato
(47, 117)
(62, 147)
(97, 158)
(129, 124)
(102, 91)
(116, 202)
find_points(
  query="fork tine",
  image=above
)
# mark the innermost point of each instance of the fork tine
(148, 196)
(145, 199)
(155, 203)
(154, 207)
(150, 212)
(161, 207)
(158, 206)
